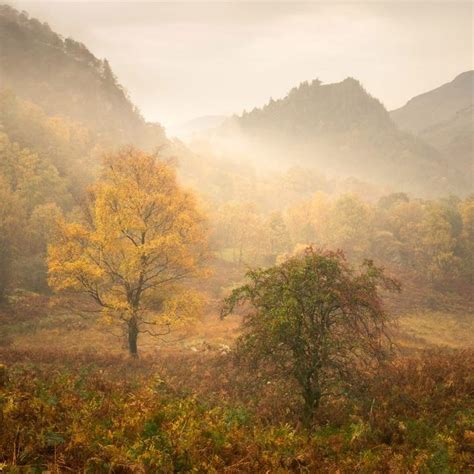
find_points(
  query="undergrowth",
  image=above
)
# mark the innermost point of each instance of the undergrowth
(65, 412)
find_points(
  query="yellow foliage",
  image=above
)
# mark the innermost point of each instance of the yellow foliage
(141, 237)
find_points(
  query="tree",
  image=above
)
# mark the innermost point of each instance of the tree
(315, 320)
(389, 200)
(142, 235)
(438, 243)
(11, 220)
(349, 226)
(466, 209)
(39, 231)
(278, 234)
(240, 228)
(33, 180)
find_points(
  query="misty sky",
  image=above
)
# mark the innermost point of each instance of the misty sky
(186, 59)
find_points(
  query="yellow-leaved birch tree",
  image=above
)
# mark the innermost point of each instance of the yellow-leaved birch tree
(141, 236)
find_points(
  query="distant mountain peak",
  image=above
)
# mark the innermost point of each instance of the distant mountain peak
(352, 81)
(464, 76)
(312, 108)
(435, 106)
(341, 129)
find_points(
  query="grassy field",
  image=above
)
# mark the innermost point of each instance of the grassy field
(436, 328)
(34, 324)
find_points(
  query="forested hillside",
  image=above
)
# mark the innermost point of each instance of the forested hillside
(45, 165)
(64, 78)
(343, 131)
(61, 108)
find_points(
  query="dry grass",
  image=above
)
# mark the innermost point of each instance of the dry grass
(75, 402)
(33, 324)
(86, 412)
(436, 328)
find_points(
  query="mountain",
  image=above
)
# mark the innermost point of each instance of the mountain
(61, 108)
(315, 109)
(455, 139)
(338, 129)
(64, 78)
(342, 130)
(196, 126)
(444, 118)
(436, 106)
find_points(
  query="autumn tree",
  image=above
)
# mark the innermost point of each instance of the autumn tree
(40, 230)
(240, 229)
(350, 226)
(314, 320)
(11, 218)
(141, 236)
(438, 243)
(279, 236)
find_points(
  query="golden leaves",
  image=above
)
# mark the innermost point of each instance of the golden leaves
(144, 235)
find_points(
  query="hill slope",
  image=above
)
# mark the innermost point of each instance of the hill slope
(343, 131)
(196, 126)
(60, 109)
(436, 106)
(444, 118)
(455, 139)
(64, 78)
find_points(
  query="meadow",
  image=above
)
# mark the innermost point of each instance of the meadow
(71, 403)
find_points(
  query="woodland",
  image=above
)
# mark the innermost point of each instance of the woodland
(288, 291)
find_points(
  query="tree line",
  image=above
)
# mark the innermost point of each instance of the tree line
(430, 238)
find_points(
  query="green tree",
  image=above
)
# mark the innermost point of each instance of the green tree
(315, 320)
(438, 243)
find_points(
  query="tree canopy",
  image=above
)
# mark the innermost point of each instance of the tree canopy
(141, 235)
(315, 320)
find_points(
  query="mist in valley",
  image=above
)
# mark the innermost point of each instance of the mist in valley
(236, 237)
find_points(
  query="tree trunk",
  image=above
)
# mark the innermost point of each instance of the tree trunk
(311, 398)
(133, 337)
